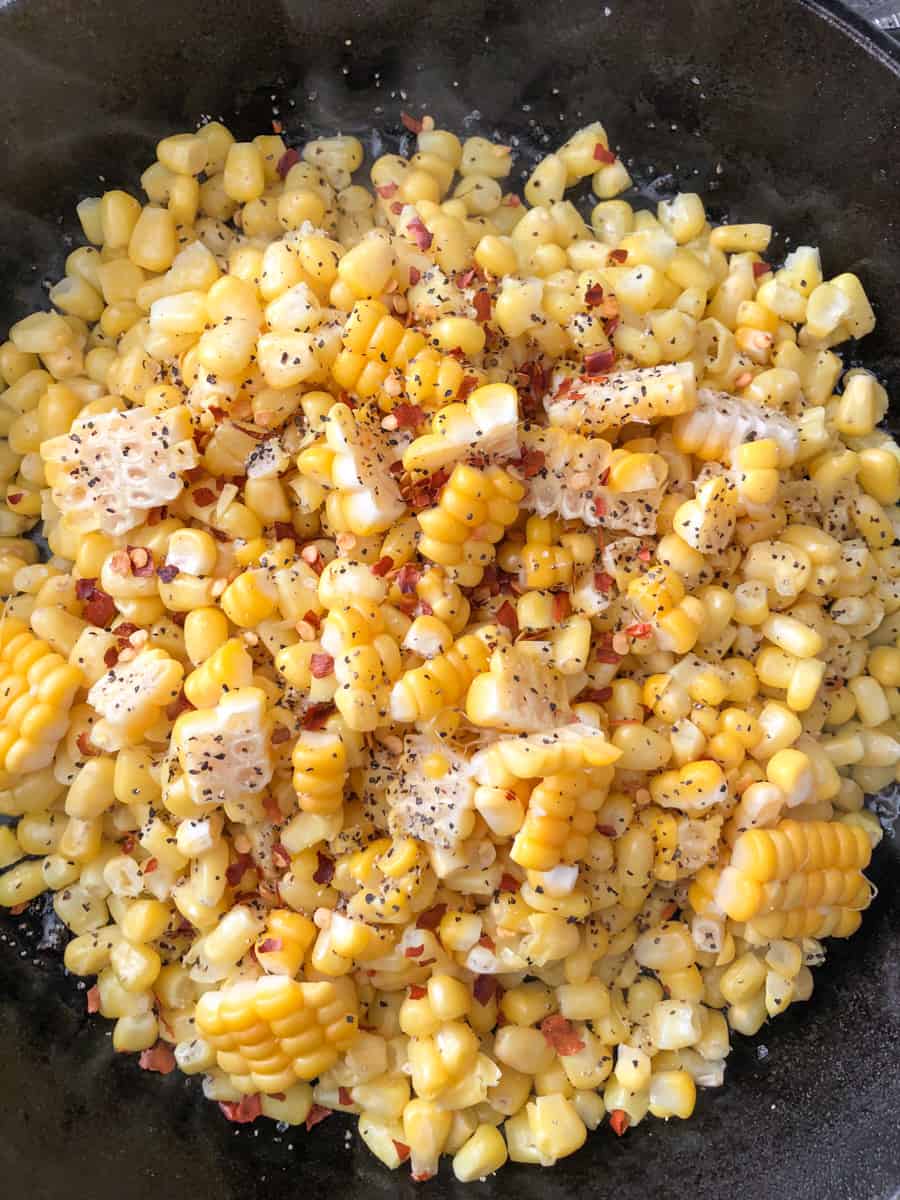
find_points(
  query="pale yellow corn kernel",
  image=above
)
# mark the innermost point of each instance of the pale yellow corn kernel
(135, 1032)
(483, 1154)
(674, 1024)
(145, 921)
(527, 1004)
(666, 947)
(610, 180)
(153, 243)
(524, 1048)
(556, 1128)
(871, 702)
(738, 239)
(21, 884)
(742, 979)
(884, 666)
(879, 474)
(136, 966)
(672, 1094)
(244, 172)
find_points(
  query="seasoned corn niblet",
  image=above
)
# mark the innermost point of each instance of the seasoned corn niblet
(272, 1032)
(467, 640)
(474, 511)
(37, 688)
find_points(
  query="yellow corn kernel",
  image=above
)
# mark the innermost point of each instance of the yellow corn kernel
(273, 1032)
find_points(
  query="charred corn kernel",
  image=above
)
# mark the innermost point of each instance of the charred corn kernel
(273, 1032)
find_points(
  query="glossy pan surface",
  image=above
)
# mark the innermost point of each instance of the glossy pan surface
(769, 109)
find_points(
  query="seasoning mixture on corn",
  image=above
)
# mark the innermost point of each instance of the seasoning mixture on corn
(469, 633)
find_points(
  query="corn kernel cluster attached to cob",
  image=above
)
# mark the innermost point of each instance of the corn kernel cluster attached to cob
(469, 633)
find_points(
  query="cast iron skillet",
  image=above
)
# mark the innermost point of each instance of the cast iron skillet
(773, 111)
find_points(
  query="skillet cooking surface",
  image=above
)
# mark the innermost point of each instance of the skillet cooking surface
(770, 112)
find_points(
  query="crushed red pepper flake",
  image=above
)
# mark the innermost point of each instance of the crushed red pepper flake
(509, 883)
(415, 992)
(481, 302)
(273, 810)
(383, 567)
(603, 582)
(421, 236)
(317, 715)
(402, 1149)
(593, 295)
(599, 361)
(407, 578)
(84, 743)
(317, 1113)
(602, 154)
(561, 1034)
(158, 1058)
(93, 999)
(324, 872)
(413, 124)
(344, 1096)
(640, 629)
(289, 159)
(431, 917)
(506, 616)
(321, 665)
(484, 988)
(99, 609)
(235, 871)
(243, 1111)
(408, 416)
(619, 1121)
(562, 606)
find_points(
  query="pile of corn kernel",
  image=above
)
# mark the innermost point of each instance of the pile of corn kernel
(469, 633)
